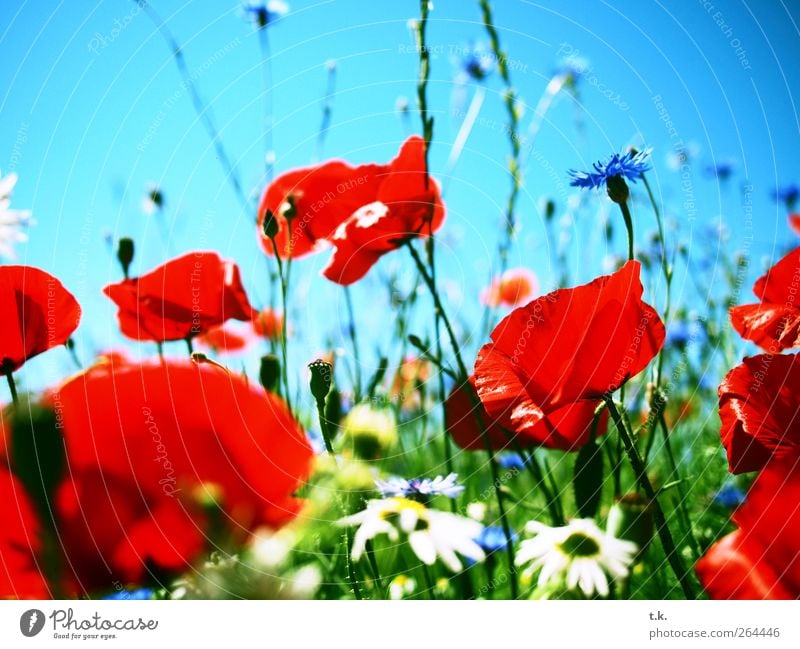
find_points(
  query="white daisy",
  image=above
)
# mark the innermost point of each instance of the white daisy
(431, 533)
(580, 553)
(12, 222)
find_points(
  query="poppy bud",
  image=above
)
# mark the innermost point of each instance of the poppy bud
(549, 209)
(617, 189)
(321, 378)
(125, 250)
(270, 372)
(631, 519)
(270, 225)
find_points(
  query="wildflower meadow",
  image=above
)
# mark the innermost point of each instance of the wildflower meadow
(445, 301)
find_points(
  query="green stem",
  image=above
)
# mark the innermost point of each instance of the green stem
(323, 425)
(12, 387)
(422, 84)
(351, 328)
(429, 282)
(463, 376)
(553, 506)
(671, 552)
(189, 345)
(284, 280)
(376, 573)
(510, 99)
(626, 215)
(687, 521)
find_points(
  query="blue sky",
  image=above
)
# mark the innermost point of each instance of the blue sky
(93, 108)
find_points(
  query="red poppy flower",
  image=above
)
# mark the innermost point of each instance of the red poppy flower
(760, 559)
(759, 404)
(225, 340)
(185, 297)
(20, 577)
(313, 201)
(38, 314)
(567, 428)
(163, 454)
(404, 207)
(364, 211)
(268, 324)
(794, 222)
(774, 324)
(570, 346)
(515, 287)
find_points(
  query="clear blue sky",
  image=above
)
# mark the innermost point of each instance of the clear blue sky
(92, 108)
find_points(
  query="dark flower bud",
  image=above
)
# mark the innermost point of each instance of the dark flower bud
(270, 225)
(617, 189)
(125, 250)
(269, 372)
(549, 209)
(321, 378)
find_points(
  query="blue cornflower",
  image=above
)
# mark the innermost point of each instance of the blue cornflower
(788, 195)
(262, 13)
(682, 332)
(729, 496)
(722, 169)
(138, 594)
(630, 165)
(493, 538)
(475, 63)
(511, 461)
(420, 487)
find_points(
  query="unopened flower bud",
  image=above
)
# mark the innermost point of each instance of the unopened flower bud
(270, 372)
(321, 379)
(125, 250)
(270, 225)
(617, 189)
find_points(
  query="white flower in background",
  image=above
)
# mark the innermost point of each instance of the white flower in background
(477, 511)
(303, 582)
(431, 534)
(401, 587)
(12, 222)
(580, 553)
(425, 487)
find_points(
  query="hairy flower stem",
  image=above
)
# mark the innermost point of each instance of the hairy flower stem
(626, 216)
(422, 83)
(510, 99)
(427, 134)
(664, 534)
